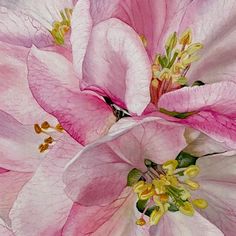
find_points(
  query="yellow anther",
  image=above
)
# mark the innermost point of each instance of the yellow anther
(186, 37)
(187, 209)
(155, 217)
(43, 147)
(164, 197)
(172, 180)
(144, 40)
(155, 83)
(48, 140)
(155, 71)
(159, 186)
(190, 60)
(45, 125)
(59, 128)
(146, 194)
(177, 67)
(165, 74)
(140, 222)
(37, 129)
(192, 184)
(193, 48)
(192, 171)
(139, 187)
(200, 203)
(171, 42)
(170, 166)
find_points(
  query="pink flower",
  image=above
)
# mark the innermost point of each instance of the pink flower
(103, 40)
(107, 204)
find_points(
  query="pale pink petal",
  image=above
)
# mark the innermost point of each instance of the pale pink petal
(202, 144)
(218, 186)
(214, 109)
(15, 96)
(175, 223)
(4, 229)
(56, 88)
(11, 183)
(115, 158)
(18, 145)
(42, 206)
(20, 29)
(217, 34)
(117, 65)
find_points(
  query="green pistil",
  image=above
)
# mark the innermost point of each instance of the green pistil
(177, 114)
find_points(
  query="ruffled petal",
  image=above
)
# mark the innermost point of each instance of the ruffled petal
(217, 34)
(213, 109)
(117, 65)
(15, 95)
(175, 223)
(42, 206)
(100, 180)
(13, 140)
(217, 179)
(54, 85)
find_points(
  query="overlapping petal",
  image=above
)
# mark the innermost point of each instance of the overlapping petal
(213, 107)
(42, 206)
(103, 178)
(56, 88)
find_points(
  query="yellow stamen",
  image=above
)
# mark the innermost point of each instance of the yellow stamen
(200, 203)
(193, 48)
(170, 166)
(139, 187)
(192, 171)
(59, 128)
(155, 83)
(171, 42)
(144, 40)
(48, 140)
(43, 147)
(155, 217)
(140, 222)
(192, 184)
(187, 209)
(45, 125)
(37, 129)
(186, 37)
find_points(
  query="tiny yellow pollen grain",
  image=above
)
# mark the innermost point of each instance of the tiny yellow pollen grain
(144, 40)
(200, 203)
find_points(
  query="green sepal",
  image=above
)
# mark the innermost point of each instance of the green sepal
(185, 159)
(133, 177)
(173, 208)
(177, 114)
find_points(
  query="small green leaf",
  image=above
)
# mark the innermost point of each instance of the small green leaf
(173, 208)
(185, 159)
(133, 177)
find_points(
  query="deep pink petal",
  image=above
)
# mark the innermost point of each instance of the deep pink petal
(218, 186)
(53, 82)
(100, 180)
(214, 109)
(175, 223)
(20, 29)
(18, 145)
(42, 206)
(217, 34)
(15, 95)
(11, 183)
(117, 65)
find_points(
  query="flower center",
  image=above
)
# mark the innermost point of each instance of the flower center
(60, 28)
(46, 129)
(169, 70)
(165, 188)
